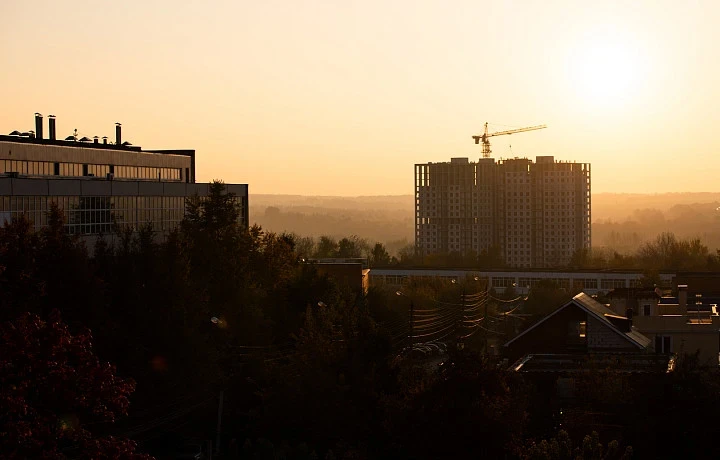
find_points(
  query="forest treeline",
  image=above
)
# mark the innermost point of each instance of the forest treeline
(665, 252)
(621, 222)
(138, 340)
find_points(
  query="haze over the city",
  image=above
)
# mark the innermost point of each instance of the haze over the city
(342, 98)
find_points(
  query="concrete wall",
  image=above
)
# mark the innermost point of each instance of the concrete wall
(87, 154)
(687, 337)
(350, 275)
(381, 276)
(101, 187)
(550, 336)
(602, 338)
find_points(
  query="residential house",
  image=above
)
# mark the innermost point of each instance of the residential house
(583, 333)
(684, 324)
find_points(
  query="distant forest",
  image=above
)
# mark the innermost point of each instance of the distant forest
(621, 222)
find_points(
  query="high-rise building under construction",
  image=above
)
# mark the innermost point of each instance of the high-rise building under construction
(535, 215)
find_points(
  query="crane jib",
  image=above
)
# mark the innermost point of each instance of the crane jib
(486, 143)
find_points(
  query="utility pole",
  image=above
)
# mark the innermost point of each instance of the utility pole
(412, 314)
(220, 409)
(412, 333)
(458, 343)
(486, 321)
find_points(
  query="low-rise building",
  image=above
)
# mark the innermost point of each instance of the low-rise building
(353, 272)
(634, 301)
(680, 325)
(99, 185)
(582, 326)
(581, 339)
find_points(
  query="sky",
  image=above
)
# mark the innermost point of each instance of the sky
(344, 97)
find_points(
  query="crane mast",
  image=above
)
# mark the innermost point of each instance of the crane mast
(486, 142)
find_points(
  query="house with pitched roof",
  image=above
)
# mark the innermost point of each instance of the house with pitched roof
(581, 335)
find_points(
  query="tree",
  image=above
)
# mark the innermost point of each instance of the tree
(19, 284)
(407, 255)
(669, 252)
(544, 298)
(561, 448)
(220, 250)
(52, 386)
(379, 256)
(304, 246)
(326, 247)
(348, 248)
(469, 409)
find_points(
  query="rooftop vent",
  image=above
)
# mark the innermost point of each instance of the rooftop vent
(51, 127)
(85, 139)
(118, 134)
(15, 133)
(39, 125)
(73, 137)
(126, 143)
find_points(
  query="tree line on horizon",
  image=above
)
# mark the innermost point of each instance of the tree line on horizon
(665, 252)
(623, 231)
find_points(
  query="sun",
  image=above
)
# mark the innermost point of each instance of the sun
(606, 69)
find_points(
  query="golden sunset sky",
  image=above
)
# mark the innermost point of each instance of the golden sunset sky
(344, 97)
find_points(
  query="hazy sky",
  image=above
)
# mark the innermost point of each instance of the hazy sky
(344, 97)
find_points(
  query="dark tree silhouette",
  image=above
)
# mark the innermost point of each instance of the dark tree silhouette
(52, 386)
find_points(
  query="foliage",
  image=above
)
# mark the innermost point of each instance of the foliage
(665, 252)
(379, 256)
(469, 408)
(304, 361)
(52, 386)
(561, 447)
(545, 297)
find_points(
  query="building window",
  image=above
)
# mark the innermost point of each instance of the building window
(663, 344)
(646, 310)
(577, 332)
(582, 329)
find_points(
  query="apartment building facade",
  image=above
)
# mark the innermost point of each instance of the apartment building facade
(536, 214)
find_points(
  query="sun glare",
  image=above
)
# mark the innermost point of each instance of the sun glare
(606, 70)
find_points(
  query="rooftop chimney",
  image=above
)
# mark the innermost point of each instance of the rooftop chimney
(104, 139)
(118, 134)
(38, 126)
(51, 127)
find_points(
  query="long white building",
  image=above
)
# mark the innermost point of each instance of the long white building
(588, 281)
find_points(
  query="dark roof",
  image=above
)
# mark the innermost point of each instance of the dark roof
(632, 293)
(600, 312)
(72, 143)
(572, 363)
(706, 305)
(69, 142)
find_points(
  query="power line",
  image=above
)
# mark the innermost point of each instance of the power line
(433, 333)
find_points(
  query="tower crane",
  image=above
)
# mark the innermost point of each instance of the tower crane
(486, 142)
